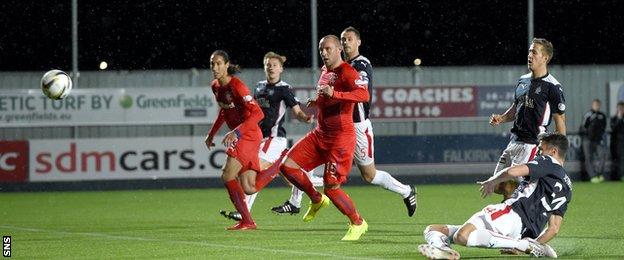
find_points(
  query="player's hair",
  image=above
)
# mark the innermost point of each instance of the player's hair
(597, 100)
(333, 38)
(353, 30)
(232, 68)
(621, 103)
(557, 140)
(547, 47)
(273, 55)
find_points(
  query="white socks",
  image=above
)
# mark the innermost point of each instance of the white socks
(295, 197)
(489, 239)
(249, 199)
(436, 238)
(386, 181)
(296, 194)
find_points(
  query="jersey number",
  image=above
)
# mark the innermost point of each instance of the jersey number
(557, 202)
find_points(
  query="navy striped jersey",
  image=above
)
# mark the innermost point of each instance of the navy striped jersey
(274, 99)
(546, 191)
(363, 66)
(536, 100)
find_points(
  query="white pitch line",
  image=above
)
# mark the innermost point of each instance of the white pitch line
(91, 234)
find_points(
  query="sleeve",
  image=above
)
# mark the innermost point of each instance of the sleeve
(289, 97)
(255, 92)
(538, 168)
(253, 114)
(220, 116)
(561, 210)
(357, 86)
(365, 71)
(556, 99)
(515, 102)
(217, 124)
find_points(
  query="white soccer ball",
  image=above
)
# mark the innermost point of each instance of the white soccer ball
(56, 84)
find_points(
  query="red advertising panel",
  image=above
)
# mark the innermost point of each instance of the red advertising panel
(13, 161)
(417, 102)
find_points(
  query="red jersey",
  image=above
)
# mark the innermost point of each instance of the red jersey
(237, 108)
(335, 114)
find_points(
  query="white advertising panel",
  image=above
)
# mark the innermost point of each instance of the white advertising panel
(117, 158)
(29, 107)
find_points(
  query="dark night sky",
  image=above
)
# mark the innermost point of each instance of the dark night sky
(177, 34)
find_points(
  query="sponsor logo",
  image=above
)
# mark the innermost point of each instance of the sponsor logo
(13, 161)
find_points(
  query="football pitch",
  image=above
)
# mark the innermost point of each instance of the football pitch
(152, 224)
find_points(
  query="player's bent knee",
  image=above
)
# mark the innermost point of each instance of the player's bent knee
(227, 176)
(367, 177)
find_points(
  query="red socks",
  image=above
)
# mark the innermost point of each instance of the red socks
(265, 177)
(238, 199)
(344, 204)
(301, 181)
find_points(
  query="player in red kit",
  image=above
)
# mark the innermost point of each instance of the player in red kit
(241, 113)
(332, 142)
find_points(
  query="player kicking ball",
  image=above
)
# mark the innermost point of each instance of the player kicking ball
(517, 224)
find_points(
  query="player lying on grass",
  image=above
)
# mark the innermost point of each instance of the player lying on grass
(517, 224)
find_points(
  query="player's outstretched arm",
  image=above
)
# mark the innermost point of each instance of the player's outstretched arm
(508, 116)
(215, 128)
(488, 186)
(554, 224)
(560, 126)
(302, 116)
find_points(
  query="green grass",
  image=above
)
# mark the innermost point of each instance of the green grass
(186, 224)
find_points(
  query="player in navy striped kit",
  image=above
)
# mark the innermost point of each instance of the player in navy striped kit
(518, 224)
(538, 101)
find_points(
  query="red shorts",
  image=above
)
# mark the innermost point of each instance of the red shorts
(246, 152)
(309, 154)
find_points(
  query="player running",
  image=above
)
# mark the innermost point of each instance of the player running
(538, 96)
(332, 142)
(542, 198)
(274, 96)
(364, 147)
(242, 114)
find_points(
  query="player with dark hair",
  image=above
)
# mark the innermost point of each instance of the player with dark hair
(274, 96)
(538, 99)
(332, 142)
(518, 223)
(364, 148)
(241, 113)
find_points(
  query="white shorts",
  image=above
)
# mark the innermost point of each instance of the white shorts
(516, 153)
(271, 148)
(364, 143)
(499, 218)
